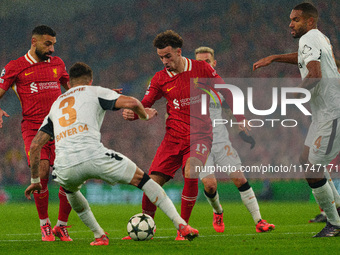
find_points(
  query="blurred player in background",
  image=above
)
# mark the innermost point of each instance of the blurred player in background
(335, 164)
(223, 154)
(74, 122)
(181, 141)
(319, 73)
(36, 78)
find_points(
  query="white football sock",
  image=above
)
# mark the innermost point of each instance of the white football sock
(249, 200)
(334, 190)
(158, 197)
(215, 202)
(44, 221)
(82, 208)
(61, 223)
(324, 197)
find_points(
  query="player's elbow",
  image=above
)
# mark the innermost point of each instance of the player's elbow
(133, 104)
(128, 102)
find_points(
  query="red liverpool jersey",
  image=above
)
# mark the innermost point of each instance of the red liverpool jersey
(37, 84)
(183, 102)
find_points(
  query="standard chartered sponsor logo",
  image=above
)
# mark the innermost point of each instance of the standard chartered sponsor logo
(43, 85)
(34, 87)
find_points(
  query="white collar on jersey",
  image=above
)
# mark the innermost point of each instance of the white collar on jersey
(30, 59)
(187, 67)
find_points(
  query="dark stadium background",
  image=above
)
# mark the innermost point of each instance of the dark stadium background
(115, 39)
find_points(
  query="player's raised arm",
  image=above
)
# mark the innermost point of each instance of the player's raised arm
(290, 58)
(136, 106)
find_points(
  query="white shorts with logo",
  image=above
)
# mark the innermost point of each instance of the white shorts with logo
(223, 158)
(111, 167)
(323, 140)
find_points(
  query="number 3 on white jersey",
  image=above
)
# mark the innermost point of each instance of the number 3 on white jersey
(67, 110)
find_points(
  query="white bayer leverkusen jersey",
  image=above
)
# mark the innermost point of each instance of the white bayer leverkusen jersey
(74, 122)
(220, 131)
(325, 101)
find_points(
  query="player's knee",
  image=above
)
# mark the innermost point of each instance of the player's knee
(160, 178)
(210, 185)
(239, 182)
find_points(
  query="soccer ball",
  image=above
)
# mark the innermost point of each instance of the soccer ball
(141, 227)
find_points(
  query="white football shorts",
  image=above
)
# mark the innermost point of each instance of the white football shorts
(111, 167)
(323, 140)
(222, 158)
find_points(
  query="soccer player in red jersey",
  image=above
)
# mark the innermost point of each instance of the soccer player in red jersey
(186, 144)
(36, 78)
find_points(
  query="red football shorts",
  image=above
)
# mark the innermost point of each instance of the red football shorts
(29, 130)
(170, 155)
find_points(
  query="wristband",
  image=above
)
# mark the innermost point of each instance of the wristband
(35, 180)
(146, 118)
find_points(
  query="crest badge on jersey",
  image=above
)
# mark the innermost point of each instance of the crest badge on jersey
(3, 72)
(306, 49)
(147, 89)
(55, 72)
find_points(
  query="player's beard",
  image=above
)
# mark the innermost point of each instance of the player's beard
(300, 32)
(41, 55)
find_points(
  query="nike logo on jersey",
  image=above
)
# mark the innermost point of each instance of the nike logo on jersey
(168, 89)
(42, 197)
(27, 74)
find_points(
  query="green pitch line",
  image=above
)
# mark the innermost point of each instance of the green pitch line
(293, 234)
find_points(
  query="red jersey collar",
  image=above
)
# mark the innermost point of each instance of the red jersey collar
(187, 67)
(30, 59)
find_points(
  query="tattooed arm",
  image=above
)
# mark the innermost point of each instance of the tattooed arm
(38, 142)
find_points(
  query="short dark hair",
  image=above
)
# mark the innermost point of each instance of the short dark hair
(308, 10)
(80, 69)
(168, 38)
(43, 30)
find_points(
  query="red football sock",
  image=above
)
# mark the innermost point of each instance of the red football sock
(189, 196)
(148, 207)
(41, 200)
(64, 206)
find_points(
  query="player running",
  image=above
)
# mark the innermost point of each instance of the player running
(36, 78)
(184, 133)
(74, 122)
(223, 154)
(319, 73)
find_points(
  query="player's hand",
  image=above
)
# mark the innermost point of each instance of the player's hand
(262, 62)
(128, 114)
(2, 113)
(151, 112)
(30, 189)
(119, 91)
(245, 128)
(247, 139)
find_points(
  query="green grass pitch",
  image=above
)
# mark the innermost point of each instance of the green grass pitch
(20, 233)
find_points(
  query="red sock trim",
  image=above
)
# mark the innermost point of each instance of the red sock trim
(64, 206)
(189, 196)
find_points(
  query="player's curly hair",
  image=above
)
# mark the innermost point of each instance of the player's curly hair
(168, 38)
(43, 30)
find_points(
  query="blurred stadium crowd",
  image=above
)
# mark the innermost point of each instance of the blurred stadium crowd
(115, 39)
